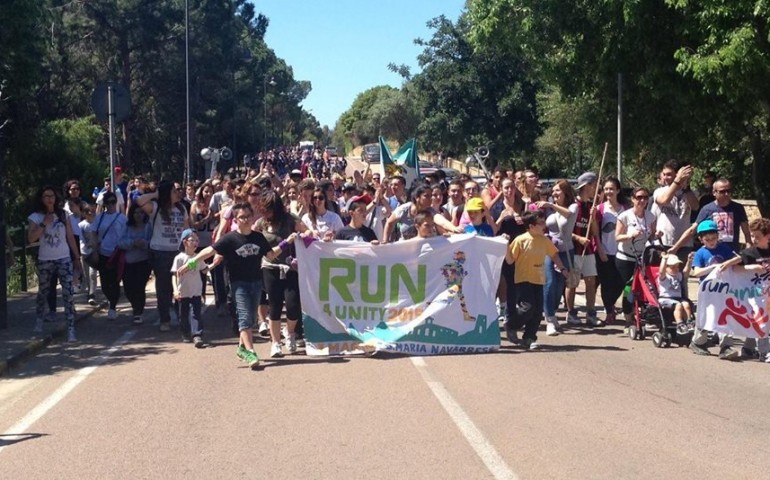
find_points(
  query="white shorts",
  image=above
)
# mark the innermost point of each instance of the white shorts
(586, 264)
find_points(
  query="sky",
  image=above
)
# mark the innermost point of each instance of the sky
(343, 47)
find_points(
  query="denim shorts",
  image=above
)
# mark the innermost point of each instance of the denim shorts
(246, 296)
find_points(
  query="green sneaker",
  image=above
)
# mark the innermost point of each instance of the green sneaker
(241, 352)
(251, 358)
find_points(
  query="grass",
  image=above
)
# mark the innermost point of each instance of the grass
(14, 277)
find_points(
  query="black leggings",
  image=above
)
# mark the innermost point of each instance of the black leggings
(609, 278)
(280, 290)
(626, 271)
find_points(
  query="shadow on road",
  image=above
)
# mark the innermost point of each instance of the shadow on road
(14, 438)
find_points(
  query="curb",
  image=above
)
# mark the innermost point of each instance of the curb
(37, 344)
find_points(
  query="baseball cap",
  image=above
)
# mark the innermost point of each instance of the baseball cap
(366, 198)
(295, 172)
(475, 204)
(707, 226)
(586, 178)
(672, 260)
(186, 233)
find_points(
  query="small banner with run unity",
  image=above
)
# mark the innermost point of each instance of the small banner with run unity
(735, 301)
(431, 296)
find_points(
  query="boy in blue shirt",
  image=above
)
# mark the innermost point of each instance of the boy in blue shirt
(712, 255)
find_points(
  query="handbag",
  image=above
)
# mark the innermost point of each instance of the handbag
(117, 261)
(92, 259)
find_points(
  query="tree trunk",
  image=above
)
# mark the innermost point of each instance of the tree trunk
(125, 54)
(760, 177)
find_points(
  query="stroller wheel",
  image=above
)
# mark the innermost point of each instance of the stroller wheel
(657, 339)
(633, 332)
(667, 339)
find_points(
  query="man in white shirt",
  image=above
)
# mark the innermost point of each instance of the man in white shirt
(672, 205)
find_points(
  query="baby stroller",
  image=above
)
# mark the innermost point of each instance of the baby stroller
(648, 313)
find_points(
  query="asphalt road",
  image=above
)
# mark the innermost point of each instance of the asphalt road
(134, 403)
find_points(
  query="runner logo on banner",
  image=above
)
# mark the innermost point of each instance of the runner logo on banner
(423, 296)
(735, 302)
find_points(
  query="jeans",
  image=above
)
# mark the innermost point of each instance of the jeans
(554, 283)
(246, 296)
(190, 325)
(161, 262)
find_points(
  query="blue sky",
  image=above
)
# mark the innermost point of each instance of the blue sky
(343, 47)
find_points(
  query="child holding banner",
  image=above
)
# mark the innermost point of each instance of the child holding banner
(711, 256)
(528, 251)
(757, 258)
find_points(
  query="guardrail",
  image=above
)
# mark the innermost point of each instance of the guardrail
(25, 249)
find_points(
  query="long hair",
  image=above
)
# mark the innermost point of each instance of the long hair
(66, 188)
(164, 199)
(615, 181)
(271, 201)
(313, 211)
(567, 192)
(131, 210)
(40, 207)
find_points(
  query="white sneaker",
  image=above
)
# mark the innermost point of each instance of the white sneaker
(275, 350)
(550, 329)
(573, 319)
(534, 346)
(766, 358)
(112, 314)
(71, 335)
(292, 343)
(264, 329)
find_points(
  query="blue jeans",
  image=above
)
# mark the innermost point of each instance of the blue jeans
(554, 283)
(246, 296)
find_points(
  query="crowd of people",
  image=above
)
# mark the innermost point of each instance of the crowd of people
(238, 229)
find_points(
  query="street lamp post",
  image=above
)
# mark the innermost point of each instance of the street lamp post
(264, 102)
(188, 174)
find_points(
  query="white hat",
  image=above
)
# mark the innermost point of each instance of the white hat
(672, 260)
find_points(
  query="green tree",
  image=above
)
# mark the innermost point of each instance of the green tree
(470, 97)
(729, 56)
(581, 47)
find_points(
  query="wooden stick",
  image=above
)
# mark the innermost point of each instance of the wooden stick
(596, 196)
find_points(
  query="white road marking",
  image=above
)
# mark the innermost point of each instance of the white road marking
(20, 427)
(483, 448)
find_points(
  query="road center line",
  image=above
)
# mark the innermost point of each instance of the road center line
(21, 427)
(475, 438)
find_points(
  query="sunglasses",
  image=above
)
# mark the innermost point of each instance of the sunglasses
(642, 197)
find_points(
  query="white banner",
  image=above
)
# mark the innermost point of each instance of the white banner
(734, 301)
(421, 297)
